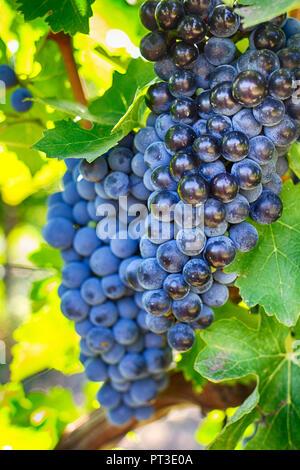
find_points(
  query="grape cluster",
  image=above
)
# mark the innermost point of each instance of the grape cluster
(21, 97)
(85, 222)
(221, 123)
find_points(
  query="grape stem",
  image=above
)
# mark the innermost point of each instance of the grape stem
(94, 432)
(64, 43)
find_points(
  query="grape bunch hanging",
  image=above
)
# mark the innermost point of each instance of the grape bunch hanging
(220, 126)
(209, 160)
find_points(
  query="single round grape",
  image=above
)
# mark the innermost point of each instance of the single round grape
(204, 104)
(158, 325)
(202, 70)
(190, 241)
(250, 88)
(92, 292)
(293, 109)
(132, 366)
(138, 189)
(235, 146)
(179, 137)
(147, 248)
(125, 331)
(264, 62)
(116, 184)
(209, 170)
(182, 83)
(162, 125)
(275, 184)
(284, 133)
(242, 62)
(196, 272)
(244, 236)
(132, 274)
(184, 110)
(181, 337)
(162, 179)
(267, 208)
(176, 287)
(219, 51)
(282, 166)
(223, 73)
(180, 164)
(59, 233)
(113, 287)
(86, 241)
(165, 68)
(247, 173)
(220, 229)
(108, 397)
(262, 149)
(224, 278)
(207, 148)
(220, 251)
(21, 100)
(214, 213)
(205, 318)
(100, 339)
(224, 187)
(168, 14)
(269, 36)
(73, 306)
(223, 101)
(94, 171)
(70, 194)
(8, 76)
(191, 29)
(270, 112)
(184, 54)
(157, 360)
(156, 155)
(127, 307)
(252, 194)
(145, 137)
(216, 296)
(86, 189)
(187, 309)
(223, 21)
(120, 416)
(143, 390)
(238, 210)
(159, 99)
(138, 166)
(156, 302)
(150, 274)
(60, 210)
(170, 258)
(154, 46)
(289, 58)
(80, 213)
(163, 204)
(119, 159)
(95, 370)
(245, 122)
(147, 14)
(70, 255)
(219, 125)
(103, 262)
(268, 171)
(192, 189)
(291, 27)
(105, 314)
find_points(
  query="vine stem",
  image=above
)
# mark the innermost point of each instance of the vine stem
(94, 432)
(64, 43)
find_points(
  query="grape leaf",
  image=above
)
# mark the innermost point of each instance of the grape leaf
(269, 275)
(70, 17)
(186, 363)
(259, 11)
(46, 257)
(234, 350)
(294, 158)
(68, 139)
(123, 96)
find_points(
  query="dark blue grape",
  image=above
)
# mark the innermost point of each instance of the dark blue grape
(220, 51)
(80, 213)
(95, 370)
(223, 21)
(181, 337)
(220, 251)
(202, 70)
(267, 208)
(143, 390)
(250, 88)
(196, 272)
(100, 339)
(119, 159)
(224, 186)
(216, 296)
(223, 101)
(158, 99)
(184, 54)
(156, 302)
(247, 173)
(113, 287)
(238, 210)
(182, 83)
(205, 318)
(245, 122)
(156, 155)
(223, 73)
(207, 148)
(132, 366)
(284, 133)
(164, 68)
(244, 236)
(158, 325)
(150, 274)
(8, 76)
(108, 397)
(262, 149)
(192, 189)
(120, 416)
(214, 213)
(21, 100)
(176, 287)
(192, 29)
(154, 46)
(103, 262)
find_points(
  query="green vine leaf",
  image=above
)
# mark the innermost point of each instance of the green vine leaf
(269, 275)
(259, 11)
(269, 352)
(294, 158)
(71, 17)
(69, 140)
